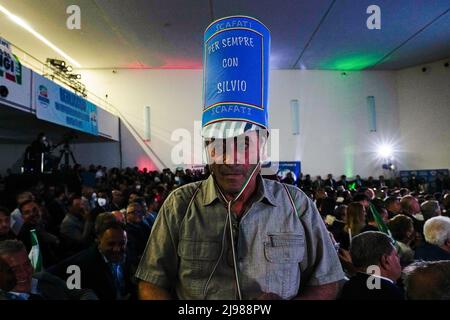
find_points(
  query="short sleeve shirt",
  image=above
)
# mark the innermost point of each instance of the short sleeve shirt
(282, 244)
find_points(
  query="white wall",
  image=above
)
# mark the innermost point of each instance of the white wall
(97, 153)
(334, 122)
(424, 107)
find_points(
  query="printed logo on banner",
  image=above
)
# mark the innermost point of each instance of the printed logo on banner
(43, 96)
(10, 67)
(94, 118)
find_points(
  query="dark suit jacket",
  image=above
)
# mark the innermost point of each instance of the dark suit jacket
(95, 273)
(356, 289)
(431, 252)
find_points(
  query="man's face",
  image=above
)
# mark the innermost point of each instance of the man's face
(31, 213)
(135, 213)
(112, 244)
(232, 160)
(117, 196)
(22, 268)
(415, 206)
(4, 224)
(395, 269)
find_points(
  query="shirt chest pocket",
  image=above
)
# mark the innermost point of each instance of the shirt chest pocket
(283, 252)
(284, 248)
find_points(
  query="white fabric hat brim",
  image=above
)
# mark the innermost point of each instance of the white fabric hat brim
(227, 129)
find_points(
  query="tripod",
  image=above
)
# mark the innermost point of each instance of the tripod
(66, 153)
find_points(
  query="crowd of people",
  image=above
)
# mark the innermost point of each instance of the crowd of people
(397, 233)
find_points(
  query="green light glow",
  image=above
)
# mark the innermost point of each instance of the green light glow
(351, 62)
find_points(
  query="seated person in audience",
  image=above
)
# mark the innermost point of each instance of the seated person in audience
(104, 267)
(446, 205)
(437, 237)
(7, 280)
(137, 232)
(375, 257)
(117, 200)
(77, 228)
(427, 280)
(5, 225)
(16, 215)
(430, 209)
(336, 223)
(101, 204)
(48, 243)
(104, 218)
(119, 215)
(410, 206)
(371, 223)
(151, 214)
(402, 230)
(57, 209)
(392, 205)
(362, 198)
(38, 286)
(354, 223)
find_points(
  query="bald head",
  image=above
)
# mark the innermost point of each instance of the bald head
(409, 205)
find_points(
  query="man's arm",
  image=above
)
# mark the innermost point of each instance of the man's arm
(327, 291)
(148, 291)
(321, 269)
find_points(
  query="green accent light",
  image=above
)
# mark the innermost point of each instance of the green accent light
(351, 62)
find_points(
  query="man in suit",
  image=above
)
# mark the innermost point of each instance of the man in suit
(48, 243)
(104, 267)
(330, 182)
(375, 258)
(38, 286)
(437, 236)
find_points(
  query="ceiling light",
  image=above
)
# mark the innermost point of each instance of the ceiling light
(22, 23)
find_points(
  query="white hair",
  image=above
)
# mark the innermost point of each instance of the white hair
(437, 230)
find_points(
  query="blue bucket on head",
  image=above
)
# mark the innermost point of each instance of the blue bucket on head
(235, 77)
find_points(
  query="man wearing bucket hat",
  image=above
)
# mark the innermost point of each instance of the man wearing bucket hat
(237, 235)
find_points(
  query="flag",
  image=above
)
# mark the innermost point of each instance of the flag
(378, 220)
(35, 252)
(352, 186)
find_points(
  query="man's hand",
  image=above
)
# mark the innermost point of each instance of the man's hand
(148, 291)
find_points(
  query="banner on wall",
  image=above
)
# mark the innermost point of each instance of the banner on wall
(284, 167)
(15, 79)
(10, 66)
(427, 176)
(55, 104)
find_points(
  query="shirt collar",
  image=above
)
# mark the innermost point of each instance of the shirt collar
(25, 295)
(378, 276)
(210, 192)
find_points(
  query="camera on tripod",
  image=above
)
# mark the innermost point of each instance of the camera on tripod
(66, 151)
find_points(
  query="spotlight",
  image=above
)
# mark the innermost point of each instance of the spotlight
(74, 76)
(388, 166)
(57, 63)
(385, 151)
(4, 91)
(68, 69)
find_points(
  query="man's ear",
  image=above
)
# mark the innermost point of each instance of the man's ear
(447, 243)
(384, 261)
